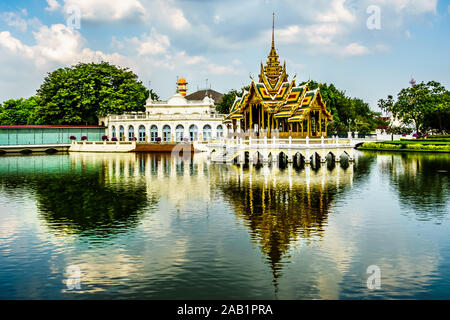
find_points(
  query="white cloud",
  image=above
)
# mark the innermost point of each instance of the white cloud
(408, 34)
(56, 45)
(151, 44)
(166, 10)
(409, 6)
(14, 45)
(355, 49)
(19, 21)
(53, 5)
(313, 34)
(108, 10)
(337, 13)
(14, 20)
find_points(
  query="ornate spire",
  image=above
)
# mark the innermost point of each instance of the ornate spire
(273, 30)
(273, 70)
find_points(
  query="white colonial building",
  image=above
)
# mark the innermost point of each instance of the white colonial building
(174, 120)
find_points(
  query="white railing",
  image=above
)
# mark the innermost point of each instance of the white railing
(277, 142)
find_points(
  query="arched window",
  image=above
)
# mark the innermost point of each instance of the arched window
(193, 132)
(179, 131)
(166, 133)
(153, 133)
(141, 133)
(207, 132)
(219, 131)
(113, 131)
(121, 133)
(130, 133)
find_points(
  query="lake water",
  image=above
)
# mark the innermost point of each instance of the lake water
(151, 227)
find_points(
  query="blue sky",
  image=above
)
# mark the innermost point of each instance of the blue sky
(225, 41)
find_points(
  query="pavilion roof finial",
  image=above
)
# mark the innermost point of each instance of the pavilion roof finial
(273, 30)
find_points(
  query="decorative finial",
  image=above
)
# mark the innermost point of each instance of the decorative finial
(412, 82)
(273, 30)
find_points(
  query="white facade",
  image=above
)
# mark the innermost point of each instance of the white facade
(174, 120)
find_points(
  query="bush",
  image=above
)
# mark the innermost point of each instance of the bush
(158, 139)
(114, 139)
(83, 138)
(73, 138)
(105, 138)
(405, 147)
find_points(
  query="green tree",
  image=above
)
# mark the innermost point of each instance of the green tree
(153, 95)
(82, 93)
(426, 105)
(224, 106)
(18, 111)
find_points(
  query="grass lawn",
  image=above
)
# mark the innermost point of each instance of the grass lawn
(419, 146)
(422, 142)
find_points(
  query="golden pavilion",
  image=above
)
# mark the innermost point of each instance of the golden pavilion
(276, 105)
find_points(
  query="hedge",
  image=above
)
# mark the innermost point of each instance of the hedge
(404, 147)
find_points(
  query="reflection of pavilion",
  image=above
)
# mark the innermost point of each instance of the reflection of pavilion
(281, 207)
(278, 206)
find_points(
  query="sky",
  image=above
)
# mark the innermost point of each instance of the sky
(369, 48)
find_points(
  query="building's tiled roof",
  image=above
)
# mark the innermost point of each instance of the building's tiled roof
(200, 95)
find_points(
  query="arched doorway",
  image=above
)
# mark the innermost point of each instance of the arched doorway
(130, 133)
(121, 133)
(219, 131)
(113, 131)
(141, 133)
(193, 132)
(166, 133)
(207, 132)
(179, 133)
(153, 133)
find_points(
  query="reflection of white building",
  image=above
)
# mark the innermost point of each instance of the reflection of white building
(173, 120)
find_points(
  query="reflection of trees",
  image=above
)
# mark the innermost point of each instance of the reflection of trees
(83, 202)
(78, 199)
(421, 181)
(280, 215)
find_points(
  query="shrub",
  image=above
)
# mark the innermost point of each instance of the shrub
(73, 138)
(158, 139)
(105, 138)
(114, 139)
(83, 138)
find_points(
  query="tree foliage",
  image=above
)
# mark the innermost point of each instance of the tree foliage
(426, 105)
(224, 106)
(82, 93)
(18, 111)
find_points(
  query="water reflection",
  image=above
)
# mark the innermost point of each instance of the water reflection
(283, 206)
(75, 195)
(421, 182)
(189, 229)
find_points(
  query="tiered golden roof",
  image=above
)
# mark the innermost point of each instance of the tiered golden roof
(277, 95)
